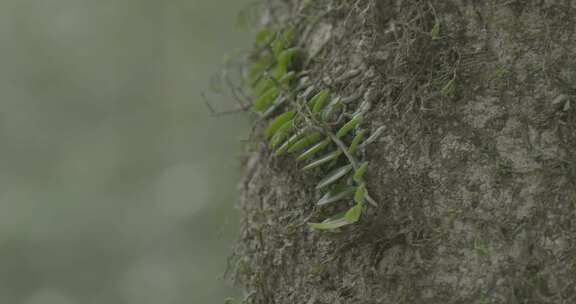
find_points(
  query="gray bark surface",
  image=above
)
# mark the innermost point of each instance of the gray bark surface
(476, 186)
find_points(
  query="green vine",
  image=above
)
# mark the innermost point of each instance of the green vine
(310, 124)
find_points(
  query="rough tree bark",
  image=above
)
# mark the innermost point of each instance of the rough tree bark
(475, 173)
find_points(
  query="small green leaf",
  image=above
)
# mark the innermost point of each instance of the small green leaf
(317, 102)
(340, 220)
(334, 176)
(287, 78)
(356, 141)
(323, 159)
(264, 36)
(263, 85)
(331, 108)
(349, 126)
(265, 82)
(275, 105)
(258, 68)
(359, 194)
(353, 214)
(313, 150)
(281, 134)
(266, 100)
(435, 33)
(333, 222)
(287, 144)
(277, 47)
(336, 194)
(279, 73)
(305, 142)
(283, 41)
(359, 174)
(278, 122)
(286, 57)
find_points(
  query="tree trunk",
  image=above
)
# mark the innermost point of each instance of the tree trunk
(474, 175)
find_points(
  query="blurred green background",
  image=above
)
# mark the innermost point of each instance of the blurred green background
(116, 186)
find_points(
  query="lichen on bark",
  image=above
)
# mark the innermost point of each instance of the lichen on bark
(475, 172)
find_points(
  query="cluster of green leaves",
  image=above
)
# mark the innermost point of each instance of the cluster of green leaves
(310, 124)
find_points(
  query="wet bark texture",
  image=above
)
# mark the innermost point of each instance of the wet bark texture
(475, 174)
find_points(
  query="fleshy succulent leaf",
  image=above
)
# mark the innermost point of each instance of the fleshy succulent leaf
(356, 142)
(346, 128)
(337, 194)
(359, 174)
(323, 159)
(305, 142)
(331, 223)
(266, 100)
(334, 176)
(359, 194)
(318, 101)
(278, 122)
(353, 214)
(313, 150)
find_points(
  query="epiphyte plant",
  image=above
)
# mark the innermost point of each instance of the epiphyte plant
(310, 123)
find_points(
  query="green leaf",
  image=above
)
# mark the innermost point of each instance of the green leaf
(258, 67)
(277, 47)
(286, 57)
(264, 36)
(353, 214)
(278, 122)
(265, 82)
(281, 134)
(336, 194)
(349, 126)
(275, 105)
(323, 159)
(313, 150)
(356, 141)
(359, 174)
(280, 73)
(334, 176)
(283, 79)
(359, 194)
(287, 78)
(291, 141)
(263, 85)
(305, 142)
(334, 222)
(265, 100)
(317, 102)
(331, 108)
(435, 33)
(340, 220)
(283, 41)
